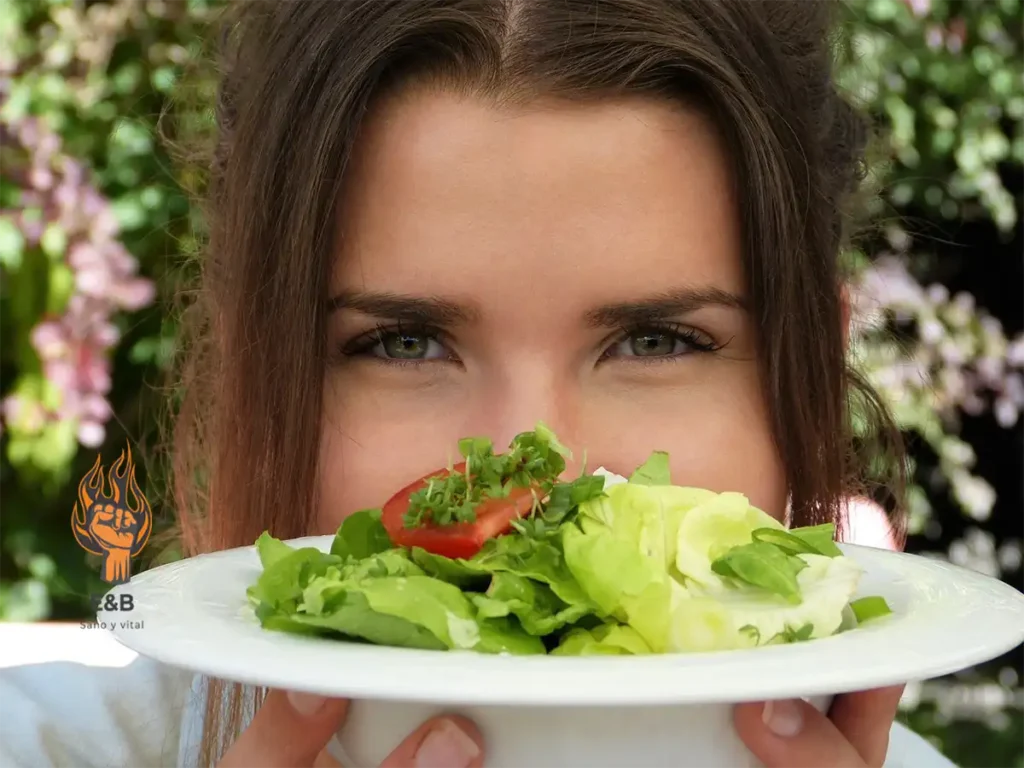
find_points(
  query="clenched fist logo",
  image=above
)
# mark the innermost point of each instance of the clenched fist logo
(113, 518)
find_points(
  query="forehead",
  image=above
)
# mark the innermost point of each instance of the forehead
(566, 203)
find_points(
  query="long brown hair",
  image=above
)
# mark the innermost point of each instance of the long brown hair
(297, 80)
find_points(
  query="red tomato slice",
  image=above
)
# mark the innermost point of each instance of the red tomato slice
(460, 540)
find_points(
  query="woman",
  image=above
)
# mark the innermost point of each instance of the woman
(438, 219)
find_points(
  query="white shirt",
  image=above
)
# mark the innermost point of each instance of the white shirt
(74, 697)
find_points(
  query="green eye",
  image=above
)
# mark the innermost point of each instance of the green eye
(653, 344)
(399, 345)
(405, 346)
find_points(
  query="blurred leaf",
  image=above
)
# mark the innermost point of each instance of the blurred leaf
(26, 600)
(54, 241)
(62, 283)
(130, 212)
(12, 243)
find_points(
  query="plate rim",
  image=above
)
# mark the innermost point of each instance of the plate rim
(613, 686)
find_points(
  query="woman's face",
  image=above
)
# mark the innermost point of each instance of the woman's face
(569, 263)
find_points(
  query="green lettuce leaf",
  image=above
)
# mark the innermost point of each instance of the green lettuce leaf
(447, 613)
(691, 570)
(462, 573)
(762, 565)
(537, 607)
(317, 595)
(439, 607)
(360, 535)
(712, 528)
(620, 580)
(393, 562)
(820, 537)
(281, 584)
(382, 598)
(623, 550)
(654, 471)
(868, 608)
(271, 550)
(352, 616)
(605, 640)
(539, 560)
(403, 608)
(648, 516)
(783, 540)
(720, 619)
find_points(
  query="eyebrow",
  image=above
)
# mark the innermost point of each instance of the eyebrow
(423, 310)
(663, 306)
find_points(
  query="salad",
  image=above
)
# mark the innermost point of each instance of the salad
(498, 554)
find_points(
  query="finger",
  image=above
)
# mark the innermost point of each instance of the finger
(793, 734)
(289, 731)
(443, 742)
(865, 719)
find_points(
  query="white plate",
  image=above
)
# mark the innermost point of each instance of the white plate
(193, 614)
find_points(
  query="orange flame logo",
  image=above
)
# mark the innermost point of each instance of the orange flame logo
(114, 524)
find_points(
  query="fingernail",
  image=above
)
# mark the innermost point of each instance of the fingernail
(306, 704)
(446, 746)
(783, 717)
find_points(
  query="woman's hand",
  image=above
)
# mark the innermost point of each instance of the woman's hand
(291, 730)
(793, 734)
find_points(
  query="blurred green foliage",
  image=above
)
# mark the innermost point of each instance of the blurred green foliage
(97, 201)
(945, 76)
(95, 85)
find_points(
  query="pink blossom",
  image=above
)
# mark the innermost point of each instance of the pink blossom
(61, 373)
(93, 369)
(74, 348)
(1005, 411)
(106, 335)
(48, 339)
(1015, 352)
(40, 178)
(105, 225)
(91, 434)
(919, 7)
(134, 294)
(96, 407)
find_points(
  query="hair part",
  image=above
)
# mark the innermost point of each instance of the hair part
(298, 80)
